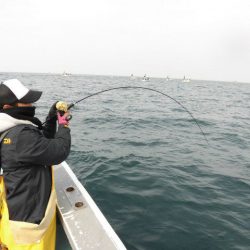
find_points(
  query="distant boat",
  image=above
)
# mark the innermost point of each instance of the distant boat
(168, 79)
(66, 74)
(132, 77)
(145, 78)
(186, 79)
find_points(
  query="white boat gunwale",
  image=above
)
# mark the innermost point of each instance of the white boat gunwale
(86, 203)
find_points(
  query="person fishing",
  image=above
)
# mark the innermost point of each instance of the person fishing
(29, 149)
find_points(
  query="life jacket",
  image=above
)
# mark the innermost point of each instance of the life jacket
(17, 235)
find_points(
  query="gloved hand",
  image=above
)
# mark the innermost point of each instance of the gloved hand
(62, 119)
(52, 116)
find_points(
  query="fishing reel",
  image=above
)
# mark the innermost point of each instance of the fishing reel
(62, 108)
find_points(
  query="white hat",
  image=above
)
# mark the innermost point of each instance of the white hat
(13, 91)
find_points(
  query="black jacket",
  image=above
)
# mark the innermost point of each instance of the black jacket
(26, 160)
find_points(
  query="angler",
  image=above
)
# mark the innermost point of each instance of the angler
(28, 151)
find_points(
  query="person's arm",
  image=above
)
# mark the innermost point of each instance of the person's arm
(33, 148)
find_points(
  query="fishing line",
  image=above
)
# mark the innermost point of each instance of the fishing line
(145, 88)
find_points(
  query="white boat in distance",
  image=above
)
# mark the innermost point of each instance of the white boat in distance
(186, 79)
(65, 74)
(145, 78)
(132, 77)
(84, 224)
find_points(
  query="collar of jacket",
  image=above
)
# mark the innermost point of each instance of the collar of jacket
(23, 113)
(7, 122)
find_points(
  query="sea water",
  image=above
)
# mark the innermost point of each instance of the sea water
(147, 165)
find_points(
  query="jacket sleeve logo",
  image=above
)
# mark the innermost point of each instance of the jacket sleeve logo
(7, 141)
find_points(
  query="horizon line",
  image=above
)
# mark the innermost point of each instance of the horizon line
(157, 77)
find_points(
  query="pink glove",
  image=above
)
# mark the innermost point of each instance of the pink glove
(62, 120)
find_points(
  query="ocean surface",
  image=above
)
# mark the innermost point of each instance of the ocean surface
(146, 164)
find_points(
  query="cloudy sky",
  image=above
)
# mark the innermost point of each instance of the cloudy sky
(202, 39)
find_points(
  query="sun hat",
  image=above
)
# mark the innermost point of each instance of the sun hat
(13, 91)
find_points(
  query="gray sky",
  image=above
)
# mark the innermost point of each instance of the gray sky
(202, 39)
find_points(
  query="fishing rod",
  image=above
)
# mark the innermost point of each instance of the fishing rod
(64, 109)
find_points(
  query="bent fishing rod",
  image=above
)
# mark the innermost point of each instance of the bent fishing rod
(64, 109)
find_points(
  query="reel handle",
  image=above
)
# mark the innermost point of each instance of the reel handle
(69, 117)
